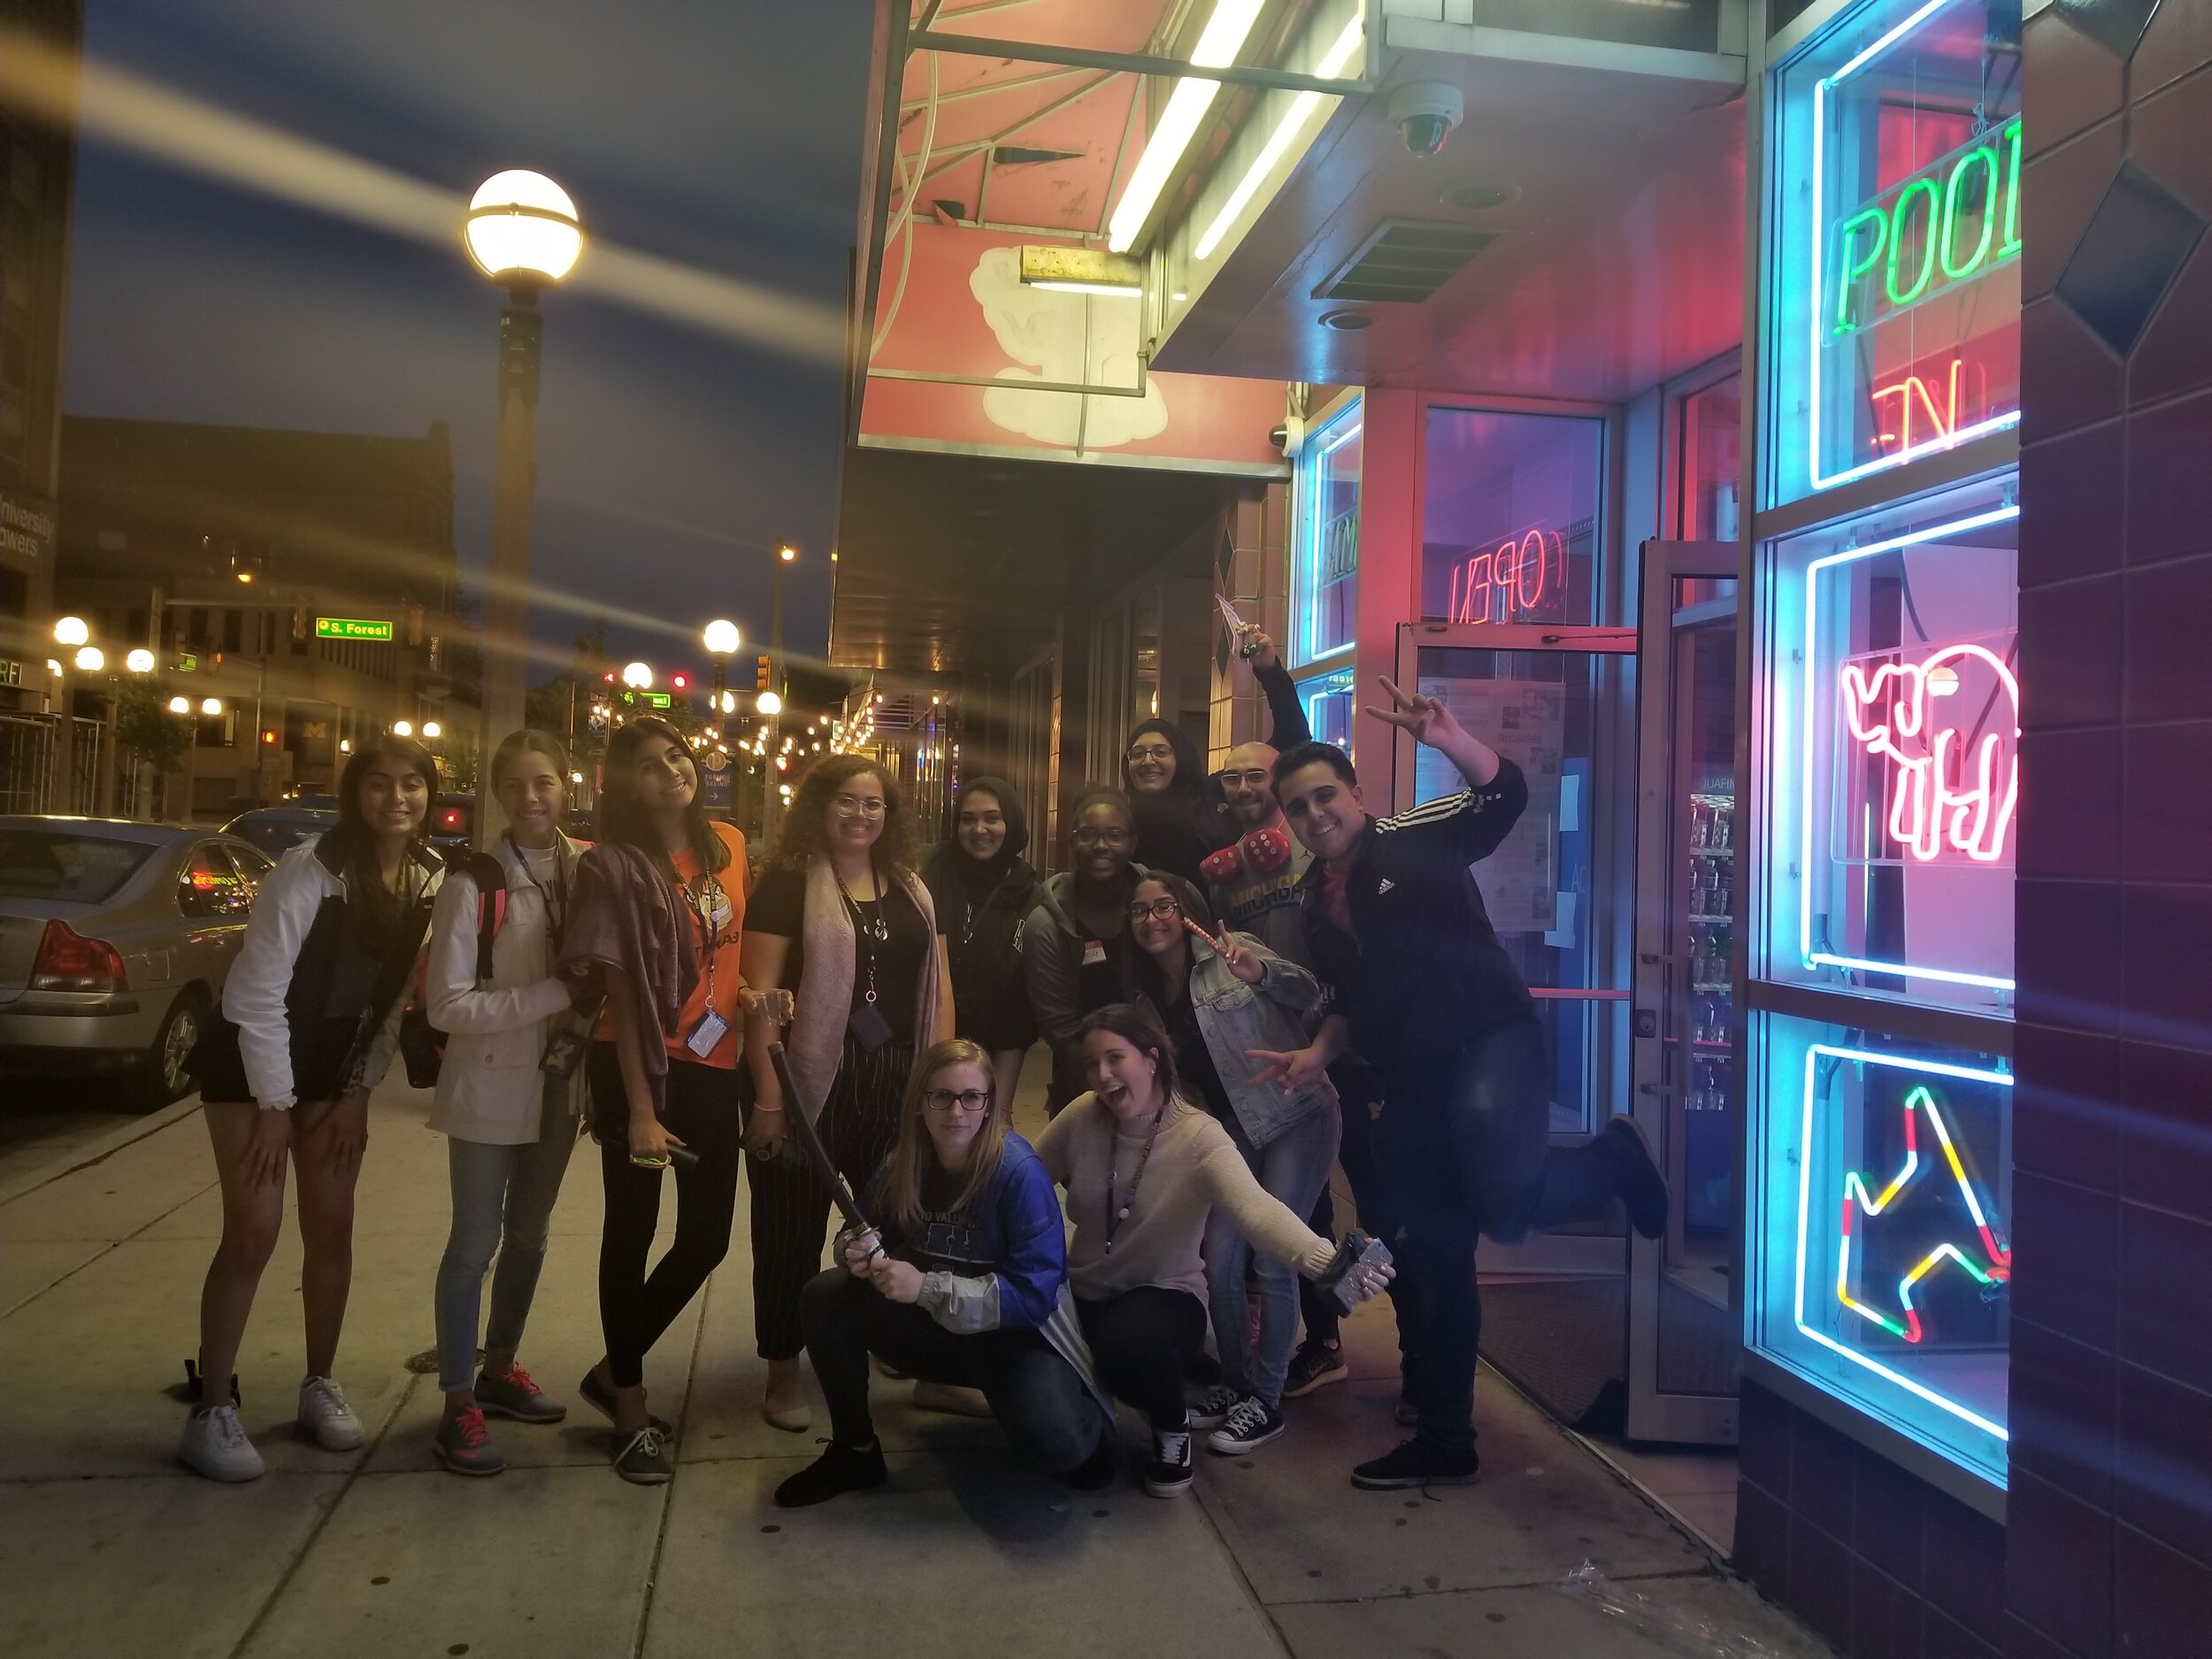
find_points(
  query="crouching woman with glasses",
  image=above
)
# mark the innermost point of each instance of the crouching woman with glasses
(964, 1283)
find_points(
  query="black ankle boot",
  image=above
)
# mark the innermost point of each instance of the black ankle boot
(840, 1469)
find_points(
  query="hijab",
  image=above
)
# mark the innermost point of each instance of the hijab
(977, 879)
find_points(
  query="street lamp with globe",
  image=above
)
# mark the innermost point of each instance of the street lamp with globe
(522, 230)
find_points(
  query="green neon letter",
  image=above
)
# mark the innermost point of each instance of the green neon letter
(1987, 159)
(2011, 244)
(1849, 269)
(1898, 215)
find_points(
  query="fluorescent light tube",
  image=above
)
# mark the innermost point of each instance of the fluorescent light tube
(1219, 44)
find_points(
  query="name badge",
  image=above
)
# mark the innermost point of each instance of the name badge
(1093, 954)
(707, 1035)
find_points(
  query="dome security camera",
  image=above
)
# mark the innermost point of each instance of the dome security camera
(1424, 114)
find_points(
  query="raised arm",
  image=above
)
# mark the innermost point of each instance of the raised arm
(1470, 825)
(1274, 682)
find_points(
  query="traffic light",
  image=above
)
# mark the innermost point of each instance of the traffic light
(760, 673)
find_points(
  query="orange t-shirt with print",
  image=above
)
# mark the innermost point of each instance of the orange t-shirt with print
(714, 903)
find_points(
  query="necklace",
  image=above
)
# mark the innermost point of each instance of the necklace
(1117, 1214)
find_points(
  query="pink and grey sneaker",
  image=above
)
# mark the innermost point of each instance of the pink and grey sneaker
(516, 1395)
(464, 1445)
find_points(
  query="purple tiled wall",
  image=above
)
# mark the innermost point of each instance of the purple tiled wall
(2108, 1546)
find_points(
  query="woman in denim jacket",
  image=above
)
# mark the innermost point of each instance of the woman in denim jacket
(1220, 999)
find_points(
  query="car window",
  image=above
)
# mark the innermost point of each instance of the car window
(59, 865)
(252, 865)
(210, 886)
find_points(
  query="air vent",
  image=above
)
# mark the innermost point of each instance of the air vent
(1402, 262)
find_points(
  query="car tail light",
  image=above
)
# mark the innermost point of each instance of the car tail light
(67, 961)
(452, 817)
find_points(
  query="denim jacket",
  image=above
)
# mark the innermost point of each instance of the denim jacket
(1274, 1014)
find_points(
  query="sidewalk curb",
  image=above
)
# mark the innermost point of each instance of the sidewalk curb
(98, 1151)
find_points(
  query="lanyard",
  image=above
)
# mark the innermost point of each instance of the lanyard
(555, 896)
(709, 924)
(868, 932)
(1116, 1214)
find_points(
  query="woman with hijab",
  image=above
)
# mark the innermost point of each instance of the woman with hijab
(984, 890)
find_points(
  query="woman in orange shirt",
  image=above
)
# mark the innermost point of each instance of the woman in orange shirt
(683, 874)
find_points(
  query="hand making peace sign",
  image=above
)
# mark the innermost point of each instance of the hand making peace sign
(1426, 718)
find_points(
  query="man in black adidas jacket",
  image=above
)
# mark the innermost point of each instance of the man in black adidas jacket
(1425, 992)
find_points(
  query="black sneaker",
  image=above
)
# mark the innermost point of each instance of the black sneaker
(1249, 1426)
(840, 1469)
(1168, 1474)
(1407, 1412)
(1414, 1464)
(642, 1458)
(1643, 1188)
(1209, 1406)
(1315, 1365)
(600, 1398)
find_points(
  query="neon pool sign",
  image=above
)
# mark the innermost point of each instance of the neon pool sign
(1995, 1261)
(1953, 791)
(1916, 204)
(1948, 820)
(1500, 581)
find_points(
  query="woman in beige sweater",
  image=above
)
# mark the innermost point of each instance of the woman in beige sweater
(1143, 1168)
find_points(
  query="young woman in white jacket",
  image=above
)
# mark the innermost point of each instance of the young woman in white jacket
(509, 1127)
(314, 1000)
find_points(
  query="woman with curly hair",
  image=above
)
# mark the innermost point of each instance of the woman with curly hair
(840, 920)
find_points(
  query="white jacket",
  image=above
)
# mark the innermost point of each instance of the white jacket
(284, 909)
(489, 1088)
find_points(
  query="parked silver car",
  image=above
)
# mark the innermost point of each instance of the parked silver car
(115, 939)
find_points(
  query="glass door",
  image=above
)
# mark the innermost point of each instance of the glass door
(1685, 1311)
(1554, 700)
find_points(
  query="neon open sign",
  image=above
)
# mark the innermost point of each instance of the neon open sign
(1507, 584)
(1946, 225)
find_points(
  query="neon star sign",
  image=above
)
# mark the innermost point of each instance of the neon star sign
(1953, 791)
(1991, 1264)
(1938, 230)
(1508, 584)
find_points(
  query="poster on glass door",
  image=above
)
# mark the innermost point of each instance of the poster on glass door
(1526, 722)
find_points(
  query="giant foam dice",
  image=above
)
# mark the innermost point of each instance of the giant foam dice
(1224, 866)
(1266, 850)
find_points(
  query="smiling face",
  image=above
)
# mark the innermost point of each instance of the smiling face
(953, 1121)
(1156, 918)
(856, 814)
(1151, 763)
(532, 792)
(394, 799)
(1103, 837)
(1126, 1077)
(982, 825)
(665, 778)
(1325, 812)
(1248, 785)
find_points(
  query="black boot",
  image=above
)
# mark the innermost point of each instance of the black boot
(840, 1469)
(1643, 1188)
(1096, 1472)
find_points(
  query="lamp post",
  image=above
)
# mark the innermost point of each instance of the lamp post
(521, 230)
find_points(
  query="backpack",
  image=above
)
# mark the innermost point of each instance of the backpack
(421, 1044)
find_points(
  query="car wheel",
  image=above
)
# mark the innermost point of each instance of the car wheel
(164, 1076)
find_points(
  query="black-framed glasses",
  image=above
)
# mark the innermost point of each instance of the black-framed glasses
(1158, 911)
(1101, 838)
(968, 1100)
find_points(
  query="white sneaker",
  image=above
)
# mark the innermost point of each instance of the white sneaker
(325, 1418)
(216, 1446)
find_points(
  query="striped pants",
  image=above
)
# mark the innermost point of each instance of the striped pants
(791, 1202)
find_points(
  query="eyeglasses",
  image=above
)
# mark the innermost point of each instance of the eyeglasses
(1158, 911)
(1101, 838)
(859, 806)
(1257, 779)
(1151, 751)
(969, 1100)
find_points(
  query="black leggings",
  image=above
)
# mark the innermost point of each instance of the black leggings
(1036, 1395)
(1143, 1341)
(633, 1309)
(791, 1203)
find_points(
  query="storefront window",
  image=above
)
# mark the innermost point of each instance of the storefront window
(1895, 307)
(1895, 752)
(1331, 704)
(1325, 560)
(1509, 516)
(1884, 1264)
(1711, 452)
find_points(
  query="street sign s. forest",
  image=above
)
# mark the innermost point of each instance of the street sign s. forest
(353, 628)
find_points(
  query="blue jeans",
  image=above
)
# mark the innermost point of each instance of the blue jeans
(1293, 1167)
(502, 1203)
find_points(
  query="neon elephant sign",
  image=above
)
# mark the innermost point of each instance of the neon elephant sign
(1509, 584)
(1953, 790)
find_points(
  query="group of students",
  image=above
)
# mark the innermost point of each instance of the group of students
(1352, 1002)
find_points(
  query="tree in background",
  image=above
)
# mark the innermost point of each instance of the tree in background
(146, 734)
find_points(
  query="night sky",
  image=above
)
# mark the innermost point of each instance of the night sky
(721, 134)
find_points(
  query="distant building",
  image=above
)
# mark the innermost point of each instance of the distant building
(304, 579)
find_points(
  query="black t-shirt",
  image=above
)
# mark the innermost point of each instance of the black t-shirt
(778, 905)
(1193, 1058)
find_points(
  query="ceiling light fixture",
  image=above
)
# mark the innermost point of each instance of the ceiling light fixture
(1293, 122)
(1082, 271)
(1347, 322)
(1218, 47)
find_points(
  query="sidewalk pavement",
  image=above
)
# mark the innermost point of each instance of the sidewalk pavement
(109, 1548)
